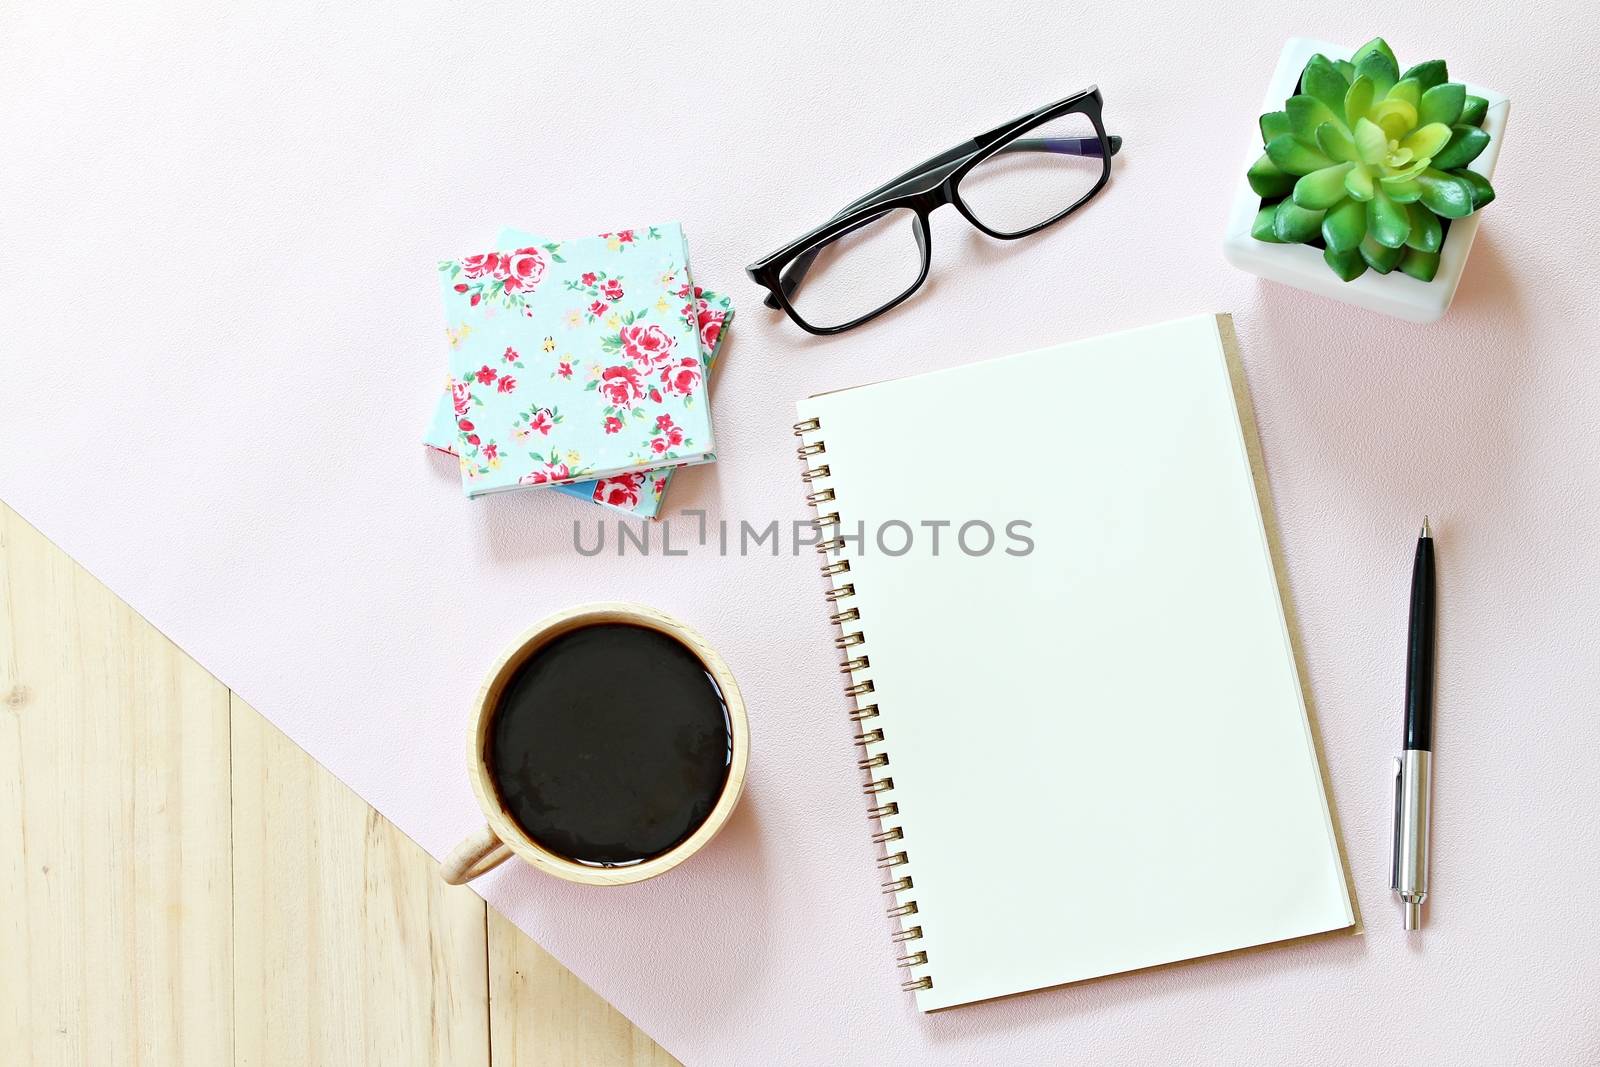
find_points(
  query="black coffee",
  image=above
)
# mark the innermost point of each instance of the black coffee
(610, 745)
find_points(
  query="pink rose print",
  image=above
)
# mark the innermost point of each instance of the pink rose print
(667, 435)
(553, 472)
(564, 369)
(611, 290)
(461, 287)
(491, 263)
(588, 277)
(476, 297)
(486, 375)
(621, 386)
(461, 396)
(661, 485)
(472, 439)
(507, 383)
(655, 395)
(621, 491)
(510, 355)
(466, 424)
(523, 269)
(711, 327)
(540, 421)
(613, 424)
(648, 346)
(681, 377)
(625, 236)
(490, 451)
(597, 308)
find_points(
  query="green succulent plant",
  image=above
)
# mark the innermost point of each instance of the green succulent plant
(1371, 164)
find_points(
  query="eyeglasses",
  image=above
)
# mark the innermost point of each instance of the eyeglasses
(1010, 182)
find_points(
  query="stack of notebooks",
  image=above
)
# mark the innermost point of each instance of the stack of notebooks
(581, 365)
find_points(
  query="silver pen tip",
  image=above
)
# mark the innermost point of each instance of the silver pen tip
(1413, 915)
(1427, 531)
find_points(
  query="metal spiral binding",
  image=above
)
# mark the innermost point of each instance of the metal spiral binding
(868, 738)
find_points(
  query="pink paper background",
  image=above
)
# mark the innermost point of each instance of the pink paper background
(221, 330)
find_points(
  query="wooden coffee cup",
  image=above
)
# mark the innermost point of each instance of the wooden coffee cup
(502, 837)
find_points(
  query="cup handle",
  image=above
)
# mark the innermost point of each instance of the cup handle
(479, 854)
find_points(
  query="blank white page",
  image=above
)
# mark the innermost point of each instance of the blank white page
(1100, 751)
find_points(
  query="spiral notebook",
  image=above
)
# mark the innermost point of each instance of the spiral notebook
(1078, 711)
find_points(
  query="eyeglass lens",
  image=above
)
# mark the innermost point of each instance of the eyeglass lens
(861, 270)
(1035, 177)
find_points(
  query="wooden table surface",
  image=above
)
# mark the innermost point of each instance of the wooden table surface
(181, 884)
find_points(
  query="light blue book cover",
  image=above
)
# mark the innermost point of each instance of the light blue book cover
(575, 361)
(638, 493)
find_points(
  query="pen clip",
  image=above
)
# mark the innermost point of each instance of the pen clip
(1394, 853)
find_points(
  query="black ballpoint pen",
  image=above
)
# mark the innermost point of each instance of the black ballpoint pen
(1413, 781)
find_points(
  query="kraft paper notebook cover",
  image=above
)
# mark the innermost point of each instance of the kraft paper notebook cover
(1086, 744)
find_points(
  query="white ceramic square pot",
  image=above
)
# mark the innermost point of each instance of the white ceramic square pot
(1302, 266)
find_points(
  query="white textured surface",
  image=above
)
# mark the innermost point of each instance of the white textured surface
(222, 335)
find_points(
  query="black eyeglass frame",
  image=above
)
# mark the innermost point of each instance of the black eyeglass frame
(924, 189)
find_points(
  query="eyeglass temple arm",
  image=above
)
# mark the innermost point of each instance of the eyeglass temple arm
(789, 281)
(1066, 146)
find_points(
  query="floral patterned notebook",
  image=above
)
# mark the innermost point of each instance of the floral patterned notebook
(637, 493)
(575, 360)
(640, 493)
